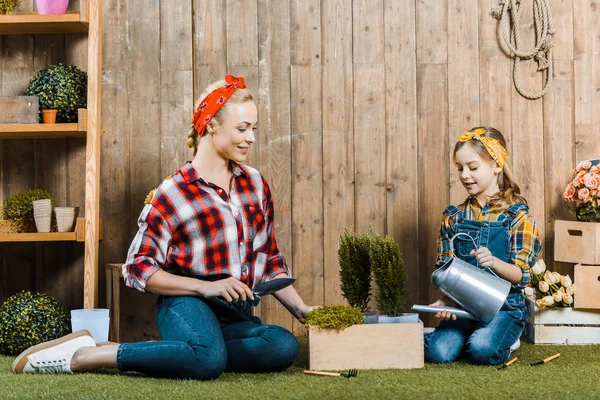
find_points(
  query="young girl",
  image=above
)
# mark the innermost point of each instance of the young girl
(496, 216)
(207, 233)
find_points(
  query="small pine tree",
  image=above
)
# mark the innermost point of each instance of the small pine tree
(355, 269)
(390, 275)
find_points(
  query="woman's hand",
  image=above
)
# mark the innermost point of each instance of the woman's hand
(484, 257)
(303, 312)
(444, 302)
(230, 289)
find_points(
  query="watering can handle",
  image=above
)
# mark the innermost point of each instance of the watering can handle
(474, 244)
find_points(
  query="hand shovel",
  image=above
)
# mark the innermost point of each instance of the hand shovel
(262, 289)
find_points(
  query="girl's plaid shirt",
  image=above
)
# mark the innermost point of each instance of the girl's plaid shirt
(193, 228)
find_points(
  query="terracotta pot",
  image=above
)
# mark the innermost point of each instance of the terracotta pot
(49, 116)
(52, 6)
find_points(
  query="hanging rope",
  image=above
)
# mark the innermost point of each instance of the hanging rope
(509, 14)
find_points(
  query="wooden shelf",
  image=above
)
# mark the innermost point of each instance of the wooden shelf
(78, 235)
(33, 23)
(46, 131)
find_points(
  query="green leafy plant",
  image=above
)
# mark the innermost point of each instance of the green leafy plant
(335, 317)
(355, 268)
(29, 318)
(8, 6)
(19, 209)
(62, 88)
(390, 274)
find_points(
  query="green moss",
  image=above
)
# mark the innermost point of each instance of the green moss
(30, 318)
(335, 317)
(19, 208)
(390, 275)
(9, 5)
(62, 88)
(355, 268)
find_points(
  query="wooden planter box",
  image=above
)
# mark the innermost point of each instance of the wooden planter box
(577, 242)
(562, 325)
(369, 346)
(587, 283)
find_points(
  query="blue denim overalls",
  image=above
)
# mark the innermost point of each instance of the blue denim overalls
(481, 343)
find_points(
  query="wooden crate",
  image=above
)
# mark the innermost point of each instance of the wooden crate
(587, 283)
(369, 346)
(577, 242)
(562, 325)
(19, 110)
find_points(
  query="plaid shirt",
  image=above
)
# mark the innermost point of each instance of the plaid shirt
(193, 228)
(525, 242)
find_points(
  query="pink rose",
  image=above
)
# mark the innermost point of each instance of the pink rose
(583, 194)
(586, 164)
(576, 181)
(595, 169)
(590, 181)
(569, 192)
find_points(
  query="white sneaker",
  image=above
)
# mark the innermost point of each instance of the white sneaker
(52, 357)
(515, 346)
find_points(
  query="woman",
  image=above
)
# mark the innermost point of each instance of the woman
(204, 240)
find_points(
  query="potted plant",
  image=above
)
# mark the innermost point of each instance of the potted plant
(355, 272)
(334, 317)
(61, 88)
(18, 208)
(46, 7)
(583, 191)
(8, 6)
(390, 277)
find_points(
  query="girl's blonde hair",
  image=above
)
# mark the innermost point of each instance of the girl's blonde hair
(239, 96)
(509, 193)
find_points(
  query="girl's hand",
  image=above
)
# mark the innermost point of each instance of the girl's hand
(445, 315)
(230, 289)
(484, 257)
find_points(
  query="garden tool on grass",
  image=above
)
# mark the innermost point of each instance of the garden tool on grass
(545, 360)
(480, 293)
(506, 364)
(350, 374)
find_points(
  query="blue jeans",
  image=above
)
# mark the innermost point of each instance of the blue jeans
(201, 341)
(478, 342)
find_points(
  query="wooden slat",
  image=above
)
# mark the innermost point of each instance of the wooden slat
(401, 137)
(307, 189)
(432, 31)
(463, 81)
(210, 43)
(368, 32)
(39, 237)
(273, 100)
(242, 32)
(19, 110)
(176, 80)
(432, 120)
(525, 148)
(305, 32)
(92, 165)
(338, 139)
(33, 23)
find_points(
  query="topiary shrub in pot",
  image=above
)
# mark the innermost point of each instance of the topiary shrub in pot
(390, 276)
(29, 318)
(8, 6)
(355, 269)
(18, 208)
(62, 88)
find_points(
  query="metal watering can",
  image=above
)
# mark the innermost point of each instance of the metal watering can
(480, 293)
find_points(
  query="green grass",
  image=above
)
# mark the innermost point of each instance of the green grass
(573, 375)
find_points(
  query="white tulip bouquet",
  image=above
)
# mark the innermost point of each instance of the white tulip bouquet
(549, 289)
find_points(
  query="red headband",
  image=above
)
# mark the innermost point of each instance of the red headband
(213, 102)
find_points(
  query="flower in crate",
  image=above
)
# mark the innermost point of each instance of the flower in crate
(583, 191)
(551, 289)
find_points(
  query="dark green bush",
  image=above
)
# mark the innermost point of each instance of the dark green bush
(62, 88)
(19, 209)
(29, 318)
(390, 275)
(335, 317)
(355, 268)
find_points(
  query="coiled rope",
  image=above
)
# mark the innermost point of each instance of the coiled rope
(509, 14)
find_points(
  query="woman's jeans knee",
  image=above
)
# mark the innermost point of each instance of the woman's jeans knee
(200, 343)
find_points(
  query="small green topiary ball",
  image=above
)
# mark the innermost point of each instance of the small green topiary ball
(62, 88)
(29, 318)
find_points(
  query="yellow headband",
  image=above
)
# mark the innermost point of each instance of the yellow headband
(493, 146)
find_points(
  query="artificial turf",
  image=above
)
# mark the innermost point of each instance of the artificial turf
(575, 374)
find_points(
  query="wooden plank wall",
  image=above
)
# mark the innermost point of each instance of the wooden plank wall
(360, 104)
